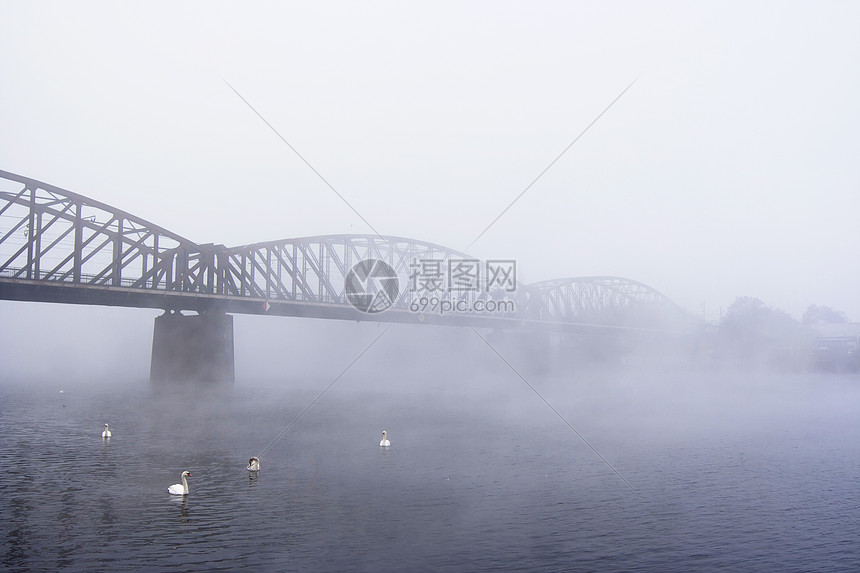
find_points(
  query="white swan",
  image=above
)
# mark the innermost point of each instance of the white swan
(106, 433)
(180, 488)
(254, 464)
(384, 443)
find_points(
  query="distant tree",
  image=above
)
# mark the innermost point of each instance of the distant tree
(754, 332)
(743, 311)
(822, 314)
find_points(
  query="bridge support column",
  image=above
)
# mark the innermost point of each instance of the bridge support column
(197, 348)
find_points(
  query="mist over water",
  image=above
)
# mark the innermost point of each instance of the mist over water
(746, 470)
(724, 177)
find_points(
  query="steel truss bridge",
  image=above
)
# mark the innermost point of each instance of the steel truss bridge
(62, 247)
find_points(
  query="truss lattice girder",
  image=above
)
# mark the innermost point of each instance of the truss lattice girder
(602, 299)
(314, 269)
(58, 235)
(51, 236)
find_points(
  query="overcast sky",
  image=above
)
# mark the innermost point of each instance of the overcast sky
(731, 167)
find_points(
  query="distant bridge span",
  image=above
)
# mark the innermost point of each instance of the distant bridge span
(59, 246)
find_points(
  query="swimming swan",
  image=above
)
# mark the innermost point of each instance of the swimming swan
(254, 464)
(180, 488)
(384, 442)
(106, 433)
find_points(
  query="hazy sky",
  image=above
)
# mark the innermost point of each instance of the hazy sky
(731, 167)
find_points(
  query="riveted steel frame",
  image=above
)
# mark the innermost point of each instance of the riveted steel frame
(98, 254)
(52, 235)
(314, 269)
(599, 299)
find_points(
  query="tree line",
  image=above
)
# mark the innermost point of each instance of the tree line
(752, 333)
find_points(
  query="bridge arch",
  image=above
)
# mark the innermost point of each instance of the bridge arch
(313, 269)
(59, 246)
(50, 234)
(92, 253)
(604, 300)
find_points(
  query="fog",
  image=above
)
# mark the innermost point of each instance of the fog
(629, 387)
(728, 169)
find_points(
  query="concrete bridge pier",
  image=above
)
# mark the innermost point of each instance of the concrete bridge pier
(194, 348)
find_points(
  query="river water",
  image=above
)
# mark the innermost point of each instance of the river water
(754, 472)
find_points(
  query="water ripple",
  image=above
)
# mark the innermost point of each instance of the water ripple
(329, 499)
